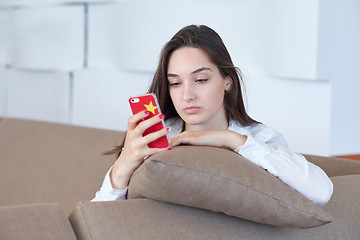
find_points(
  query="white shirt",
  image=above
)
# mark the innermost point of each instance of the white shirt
(267, 149)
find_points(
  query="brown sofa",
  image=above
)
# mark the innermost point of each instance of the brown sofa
(49, 172)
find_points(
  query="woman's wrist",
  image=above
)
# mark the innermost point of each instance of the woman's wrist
(233, 140)
(121, 174)
(118, 181)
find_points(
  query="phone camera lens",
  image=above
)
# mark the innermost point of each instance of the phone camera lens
(134, 100)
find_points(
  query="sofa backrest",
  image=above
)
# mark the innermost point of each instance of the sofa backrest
(335, 166)
(46, 162)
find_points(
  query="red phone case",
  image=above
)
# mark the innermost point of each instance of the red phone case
(149, 102)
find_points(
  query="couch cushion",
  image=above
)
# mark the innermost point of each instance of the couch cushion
(222, 181)
(41, 221)
(149, 219)
(47, 162)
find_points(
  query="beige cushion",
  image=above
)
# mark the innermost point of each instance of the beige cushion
(222, 181)
(40, 221)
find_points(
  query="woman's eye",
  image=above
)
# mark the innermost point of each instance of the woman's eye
(202, 80)
(174, 84)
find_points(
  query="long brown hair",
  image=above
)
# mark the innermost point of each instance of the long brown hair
(208, 40)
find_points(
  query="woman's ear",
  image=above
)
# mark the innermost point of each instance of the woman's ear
(228, 83)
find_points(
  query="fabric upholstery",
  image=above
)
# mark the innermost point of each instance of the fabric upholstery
(335, 166)
(149, 219)
(47, 162)
(35, 222)
(222, 181)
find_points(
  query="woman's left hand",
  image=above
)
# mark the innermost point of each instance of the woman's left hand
(215, 138)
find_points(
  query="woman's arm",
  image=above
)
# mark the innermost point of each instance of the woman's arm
(268, 150)
(132, 156)
(292, 168)
(215, 138)
(107, 192)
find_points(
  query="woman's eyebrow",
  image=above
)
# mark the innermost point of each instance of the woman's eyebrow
(192, 73)
(171, 75)
(201, 69)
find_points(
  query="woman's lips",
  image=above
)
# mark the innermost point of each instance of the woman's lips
(191, 110)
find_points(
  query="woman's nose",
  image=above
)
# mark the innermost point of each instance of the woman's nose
(188, 92)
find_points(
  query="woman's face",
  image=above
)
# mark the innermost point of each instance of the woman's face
(197, 89)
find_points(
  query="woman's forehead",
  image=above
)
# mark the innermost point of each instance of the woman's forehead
(189, 60)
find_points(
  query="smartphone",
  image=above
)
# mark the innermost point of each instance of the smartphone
(149, 102)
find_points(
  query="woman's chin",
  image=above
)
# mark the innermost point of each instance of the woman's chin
(193, 122)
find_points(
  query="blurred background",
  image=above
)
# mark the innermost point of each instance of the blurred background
(77, 62)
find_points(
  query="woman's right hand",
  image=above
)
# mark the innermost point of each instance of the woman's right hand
(136, 148)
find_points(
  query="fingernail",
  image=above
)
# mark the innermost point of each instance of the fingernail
(169, 148)
(146, 112)
(161, 116)
(168, 129)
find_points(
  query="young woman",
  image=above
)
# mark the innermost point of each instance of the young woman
(199, 92)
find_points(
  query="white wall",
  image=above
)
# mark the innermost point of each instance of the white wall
(101, 96)
(77, 63)
(339, 61)
(47, 38)
(300, 110)
(2, 91)
(37, 95)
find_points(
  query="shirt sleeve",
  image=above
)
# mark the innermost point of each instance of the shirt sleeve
(107, 192)
(268, 149)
